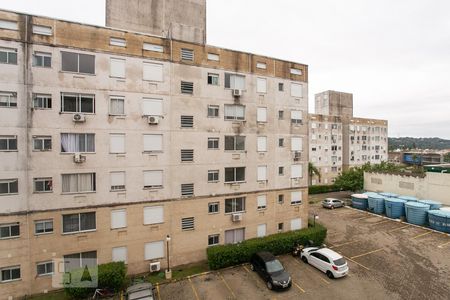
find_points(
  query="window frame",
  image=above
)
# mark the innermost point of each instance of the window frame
(10, 52)
(11, 99)
(8, 139)
(47, 181)
(214, 109)
(9, 182)
(234, 205)
(10, 225)
(235, 142)
(215, 142)
(78, 63)
(235, 175)
(213, 173)
(213, 211)
(45, 99)
(42, 139)
(215, 239)
(44, 222)
(84, 136)
(93, 182)
(79, 223)
(78, 105)
(10, 269)
(235, 116)
(213, 79)
(45, 264)
(43, 56)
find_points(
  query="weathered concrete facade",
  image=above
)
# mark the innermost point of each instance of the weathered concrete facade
(274, 187)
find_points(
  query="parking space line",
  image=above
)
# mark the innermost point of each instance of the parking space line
(367, 253)
(444, 244)
(385, 221)
(246, 269)
(418, 236)
(365, 217)
(157, 290)
(326, 281)
(343, 244)
(302, 290)
(193, 289)
(226, 284)
(399, 228)
(361, 265)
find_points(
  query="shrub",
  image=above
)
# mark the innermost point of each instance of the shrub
(320, 189)
(222, 256)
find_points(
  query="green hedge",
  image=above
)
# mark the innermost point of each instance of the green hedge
(111, 275)
(321, 189)
(222, 256)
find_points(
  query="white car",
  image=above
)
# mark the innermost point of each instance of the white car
(326, 260)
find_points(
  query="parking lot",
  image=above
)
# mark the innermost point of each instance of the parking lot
(388, 259)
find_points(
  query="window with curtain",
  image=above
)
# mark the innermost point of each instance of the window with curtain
(234, 112)
(117, 105)
(234, 236)
(77, 142)
(234, 81)
(78, 183)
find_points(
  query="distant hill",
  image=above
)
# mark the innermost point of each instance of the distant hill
(418, 143)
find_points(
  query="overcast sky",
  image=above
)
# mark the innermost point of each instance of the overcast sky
(394, 56)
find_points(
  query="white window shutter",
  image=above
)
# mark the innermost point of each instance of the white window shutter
(262, 144)
(261, 230)
(154, 250)
(117, 67)
(153, 142)
(153, 178)
(262, 173)
(296, 224)
(119, 254)
(296, 197)
(153, 72)
(117, 178)
(117, 143)
(296, 144)
(118, 218)
(296, 90)
(296, 115)
(152, 107)
(296, 171)
(153, 215)
(261, 201)
(261, 85)
(261, 115)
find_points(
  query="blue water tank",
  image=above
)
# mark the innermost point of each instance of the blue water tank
(395, 208)
(433, 204)
(376, 204)
(370, 193)
(416, 212)
(439, 220)
(389, 195)
(359, 201)
(408, 198)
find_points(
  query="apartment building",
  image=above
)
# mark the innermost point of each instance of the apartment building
(339, 141)
(111, 140)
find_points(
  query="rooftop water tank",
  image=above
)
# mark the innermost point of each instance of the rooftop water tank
(416, 212)
(359, 201)
(433, 204)
(369, 193)
(447, 208)
(376, 204)
(395, 208)
(439, 220)
(389, 195)
(408, 198)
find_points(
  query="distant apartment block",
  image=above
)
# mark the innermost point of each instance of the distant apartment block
(339, 141)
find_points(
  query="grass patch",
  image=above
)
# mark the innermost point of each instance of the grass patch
(54, 295)
(179, 272)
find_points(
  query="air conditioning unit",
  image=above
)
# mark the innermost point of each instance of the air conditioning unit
(153, 120)
(237, 92)
(79, 118)
(236, 217)
(297, 155)
(155, 266)
(78, 158)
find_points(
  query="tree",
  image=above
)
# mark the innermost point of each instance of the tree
(313, 171)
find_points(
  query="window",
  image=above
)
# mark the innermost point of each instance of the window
(296, 144)
(8, 99)
(281, 171)
(42, 185)
(79, 222)
(9, 230)
(10, 274)
(187, 223)
(260, 65)
(213, 143)
(213, 239)
(44, 268)
(234, 81)
(152, 107)
(261, 144)
(117, 42)
(77, 142)
(187, 87)
(118, 218)
(42, 30)
(280, 115)
(296, 117)
(213, 175)
(296, 171)
(296, 197)
(117, 67)
(234, 236)
(234, 142)
(281, 142)
(153, 179)
(153, 47)
(214, 57)
(152, 72)
(187, 190)
(187, 155)
(213, 111)
(43, 226)
(8, 143)
(153, 142)
(235, 174)
(42, 101)
(7, 55)
(187, 54)
(78, 103)
(296, 71)
(234, 112)
(296, 90)
(296, 224)
(235, 205)
(79, 260)
(261, 230)
(280, 86)
(11, 25)
(42, 143)
(42, 59)
(280, 227)
(154, 250)
(153, 215)
(280, 199)
(187, 121)
(261, 202)
(117, 143)
(262, 173)
(261, 85)
(78, 183)
(77, 62)
(119, 254)
(117, 181)
(213, 207)
(213, 79)
(261, 114)
(9, 186)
